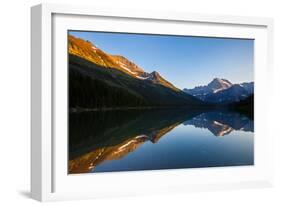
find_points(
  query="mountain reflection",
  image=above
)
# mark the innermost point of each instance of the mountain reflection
(90, 160)
(99, 137)
(222, 123)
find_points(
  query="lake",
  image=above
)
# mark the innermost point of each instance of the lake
(152, 139)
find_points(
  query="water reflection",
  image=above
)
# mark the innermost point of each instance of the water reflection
(221, 123)
(132, 140)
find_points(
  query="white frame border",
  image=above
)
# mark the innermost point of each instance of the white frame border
(42, 84)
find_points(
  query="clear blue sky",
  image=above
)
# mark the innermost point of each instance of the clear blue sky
(185, 61)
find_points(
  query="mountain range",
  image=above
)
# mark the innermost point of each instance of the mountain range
(90, 52)
(101, 80)
(222, 91)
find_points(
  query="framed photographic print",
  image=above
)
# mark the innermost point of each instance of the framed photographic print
(137, 102)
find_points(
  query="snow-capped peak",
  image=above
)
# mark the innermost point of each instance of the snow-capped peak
(219, 84)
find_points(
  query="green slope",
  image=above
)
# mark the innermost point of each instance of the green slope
(94, 86)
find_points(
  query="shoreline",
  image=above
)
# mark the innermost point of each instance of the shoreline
(104, 109)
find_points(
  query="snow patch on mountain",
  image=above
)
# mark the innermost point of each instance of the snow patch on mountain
(126, 68)
(142, 78)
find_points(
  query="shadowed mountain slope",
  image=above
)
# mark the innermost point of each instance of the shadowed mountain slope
(86, 50)
(99, 80)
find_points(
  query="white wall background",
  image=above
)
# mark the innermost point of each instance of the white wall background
(15, 101)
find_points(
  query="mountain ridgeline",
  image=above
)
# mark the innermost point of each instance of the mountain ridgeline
(98, 80)
(222, 91)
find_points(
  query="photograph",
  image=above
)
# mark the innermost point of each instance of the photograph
(139, 102)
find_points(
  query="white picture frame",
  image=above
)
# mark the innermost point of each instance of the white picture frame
(49, 179)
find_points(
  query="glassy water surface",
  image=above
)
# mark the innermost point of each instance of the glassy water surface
(158, 139)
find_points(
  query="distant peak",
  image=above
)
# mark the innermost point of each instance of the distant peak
(218, 84)
(221, 81)
(155, 73)
(225, 80)
(216, 79)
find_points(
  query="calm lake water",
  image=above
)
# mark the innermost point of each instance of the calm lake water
(158, 139)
